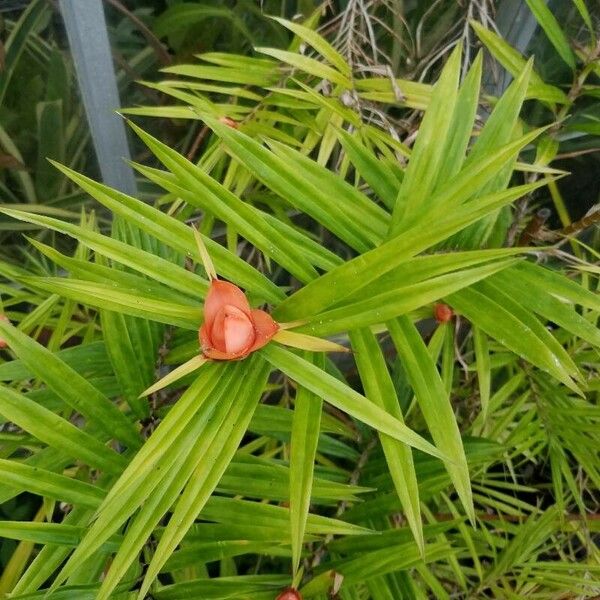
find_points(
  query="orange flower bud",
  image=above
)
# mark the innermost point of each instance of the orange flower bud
(289, 594)
(229, 122)
(3, 343)
(443, 313)
(231, 329)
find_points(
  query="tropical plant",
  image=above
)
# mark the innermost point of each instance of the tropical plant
(451, 453)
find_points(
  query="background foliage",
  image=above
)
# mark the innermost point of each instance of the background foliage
(351, 167)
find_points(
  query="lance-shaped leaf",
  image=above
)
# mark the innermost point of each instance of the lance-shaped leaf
(144, 262)
(49, 484)
(553, 30)
(71, 387)
(434, 403)
(218, 450)
(319, 43)
(156, 464)
(514, 63)
(199, 189)
(57, 432)
(398, 301)
(379, 389)
(372, 170)
(359, 272)
(303, 447)
(170, 487)
(515, 327)
(348, 221)
(427, 156)
(112, 297)
(175, 234)
(344, 397)
(528, 291)
(308, 65)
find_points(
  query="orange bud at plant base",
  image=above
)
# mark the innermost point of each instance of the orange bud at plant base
(229, 122)
(3, 343)
(443, 313)
(231, 329)
(289, 594)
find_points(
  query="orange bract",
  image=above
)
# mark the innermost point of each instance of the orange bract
(229, 122)
(289, 594)
(231, 329)
(3, 343)
(443, 313)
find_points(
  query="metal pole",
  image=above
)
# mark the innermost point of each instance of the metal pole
(88, 38)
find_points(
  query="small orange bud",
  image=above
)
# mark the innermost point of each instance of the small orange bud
(443, 313)
(229, 122)
(289, 594)
(3, 343)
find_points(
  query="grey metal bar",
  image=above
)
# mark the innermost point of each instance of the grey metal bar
(88, 38)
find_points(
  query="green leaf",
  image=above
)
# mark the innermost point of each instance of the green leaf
(353, 202)
(514, 327)
(477, 173)
(213, 456)
(552, 29)
(371, 169)
(199, 189)
(124, 360)
(181, 371)
(324, 48)
(427, 266)
(259, 78)
(514, 63)
(329, 104)
(314, 251)
(57, 432)
(182, 16)
(87, 358)
(172, 427)
(461, 126)
(308, 65)
(144, 262)
(531, 293)
(482, 356)
(283, 174)
(427, 157)
(256, 587)
(303, 447)
(16, 43)
(71, 387)
(175, 234)
(49, 484)
(379, 389)
(157, 463)
(343, 397)
(435, 405)
(237, 512)
(530, 537)
(402, 92)
(111, 297)
(43, 533)
(208, 551)
(51, 145)
(558, 285)
(120, 279)
(359, 272)
(381, 307)
(260, 478)
(585, 15)
(501, 128)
